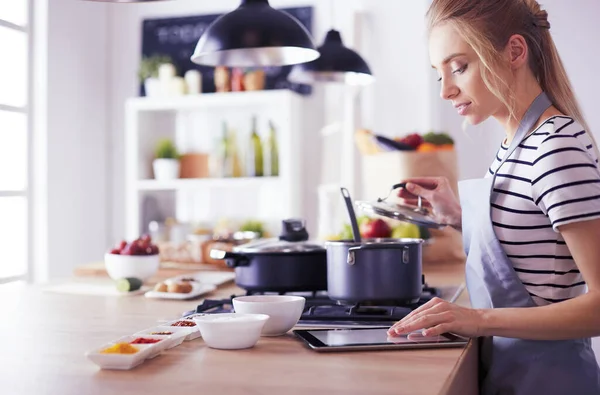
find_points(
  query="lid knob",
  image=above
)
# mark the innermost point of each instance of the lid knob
(293, 230)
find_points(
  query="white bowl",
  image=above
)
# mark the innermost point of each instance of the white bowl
(138, 266)
(284, 311)
(231, 331)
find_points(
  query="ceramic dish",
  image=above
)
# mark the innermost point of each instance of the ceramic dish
(284, 311)
(231, 331)
(197, 290)
(206, 277)
(173, 340)
(193, 332)
(119, 361)
(155, 348)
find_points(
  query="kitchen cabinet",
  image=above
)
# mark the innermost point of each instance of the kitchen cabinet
(195, 123)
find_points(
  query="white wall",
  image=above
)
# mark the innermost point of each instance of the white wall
(77, 134)
(478, 145)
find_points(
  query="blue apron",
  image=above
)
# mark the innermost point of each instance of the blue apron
(516, 366)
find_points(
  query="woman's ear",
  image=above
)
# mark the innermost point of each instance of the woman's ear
(516, 51)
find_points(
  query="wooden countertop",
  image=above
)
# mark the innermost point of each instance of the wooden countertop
(45, 336)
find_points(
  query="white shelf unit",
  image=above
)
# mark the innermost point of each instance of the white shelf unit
(194, 124)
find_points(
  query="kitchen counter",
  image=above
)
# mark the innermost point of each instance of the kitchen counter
(45, 335)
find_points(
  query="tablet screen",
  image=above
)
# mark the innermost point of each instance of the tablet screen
(354, 337)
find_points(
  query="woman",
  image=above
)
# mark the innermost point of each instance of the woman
(531, 227)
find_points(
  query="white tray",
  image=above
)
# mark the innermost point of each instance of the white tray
(197, 290)
(207, 277)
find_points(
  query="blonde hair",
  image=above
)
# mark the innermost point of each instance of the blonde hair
(487, 25)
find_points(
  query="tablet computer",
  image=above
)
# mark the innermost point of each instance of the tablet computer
(356, 339)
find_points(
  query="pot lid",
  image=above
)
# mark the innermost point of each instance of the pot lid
(274, 245)
(293, 239)
(412, 214)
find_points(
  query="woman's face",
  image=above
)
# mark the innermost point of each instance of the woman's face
(459, 75)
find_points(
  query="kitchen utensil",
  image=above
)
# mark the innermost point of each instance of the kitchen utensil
(376, 270)
(284, 311)
(285, 264)
(418, 215)
(351, 214)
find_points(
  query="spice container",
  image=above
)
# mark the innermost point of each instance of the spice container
(154, 349)
(111, 356)
(171, 336)
(189, 327)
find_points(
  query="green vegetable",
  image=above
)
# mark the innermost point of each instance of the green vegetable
(253, 226)
(437, 138)
(129, 284)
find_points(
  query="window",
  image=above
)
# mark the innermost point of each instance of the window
(14, 138)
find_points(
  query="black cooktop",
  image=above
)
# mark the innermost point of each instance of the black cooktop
(321, 311)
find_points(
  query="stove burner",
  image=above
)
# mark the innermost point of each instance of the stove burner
(320, 310)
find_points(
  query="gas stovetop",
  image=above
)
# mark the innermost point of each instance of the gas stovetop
(320, 311)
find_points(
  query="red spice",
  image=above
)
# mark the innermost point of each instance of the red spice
(142, 340)
(184, 323)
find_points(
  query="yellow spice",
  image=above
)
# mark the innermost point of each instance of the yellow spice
(120, 348)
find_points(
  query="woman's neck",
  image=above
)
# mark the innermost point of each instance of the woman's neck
(526, 90)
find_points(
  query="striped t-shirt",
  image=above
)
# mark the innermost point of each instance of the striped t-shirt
(551, 179)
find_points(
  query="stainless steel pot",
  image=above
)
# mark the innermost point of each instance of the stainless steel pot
(374, 270)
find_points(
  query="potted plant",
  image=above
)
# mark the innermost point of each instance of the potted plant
(166, 162)
(148, 73)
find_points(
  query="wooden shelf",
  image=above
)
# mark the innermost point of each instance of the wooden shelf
(202, 183)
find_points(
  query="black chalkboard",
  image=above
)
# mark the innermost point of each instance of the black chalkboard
(177, 38)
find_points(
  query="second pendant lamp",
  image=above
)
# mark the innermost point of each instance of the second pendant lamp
(255, 34)
(336, 64)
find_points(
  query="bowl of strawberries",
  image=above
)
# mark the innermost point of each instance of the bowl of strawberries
(137, 259)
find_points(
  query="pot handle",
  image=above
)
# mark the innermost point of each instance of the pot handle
(351, 259)
(232, 259)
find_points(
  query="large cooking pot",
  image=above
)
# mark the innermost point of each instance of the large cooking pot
(289, 263)
(374, 270)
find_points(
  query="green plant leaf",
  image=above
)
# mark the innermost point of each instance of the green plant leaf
(165, 149)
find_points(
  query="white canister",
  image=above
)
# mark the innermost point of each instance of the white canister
(166, 71)
(177, 87)
(165, 169)
(152, 87)
(193, 81)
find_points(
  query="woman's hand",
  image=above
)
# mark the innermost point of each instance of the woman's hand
(438, 196)
(439, 316)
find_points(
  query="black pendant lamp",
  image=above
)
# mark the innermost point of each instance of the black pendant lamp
(337, 64)
(255, 34)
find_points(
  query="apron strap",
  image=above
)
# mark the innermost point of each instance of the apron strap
(533, 113)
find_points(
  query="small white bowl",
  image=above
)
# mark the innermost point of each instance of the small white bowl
(284, 311)
(231, 331)
(138, 266)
